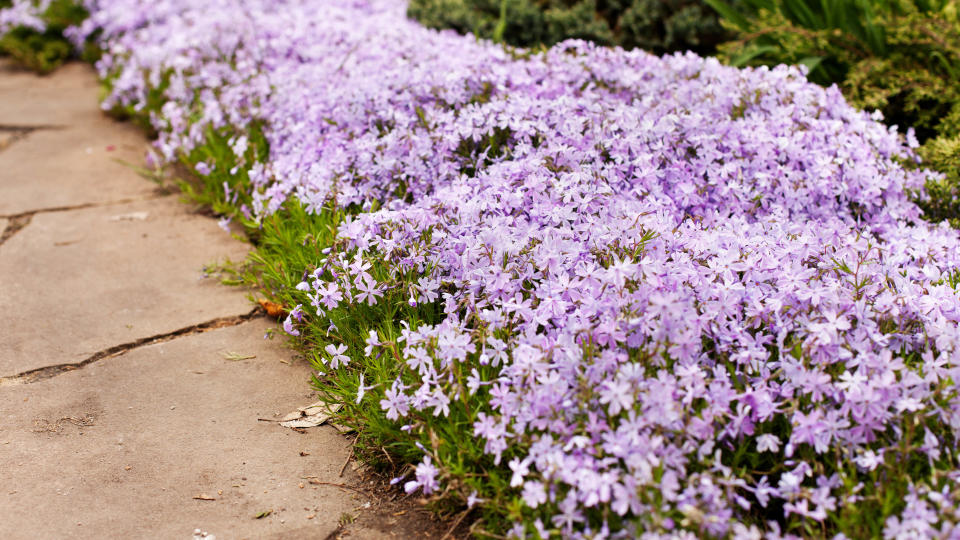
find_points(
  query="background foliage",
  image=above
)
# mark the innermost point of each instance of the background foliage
(659, 26)
(44, 51)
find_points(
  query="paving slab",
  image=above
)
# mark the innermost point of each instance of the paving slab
(71, 166)
(120, 448)
(67, 95)
(79, 282)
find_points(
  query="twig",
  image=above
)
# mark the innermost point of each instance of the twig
(480, 533)
(392, 464)
(349, 455)
(455, 524)
(342, 486)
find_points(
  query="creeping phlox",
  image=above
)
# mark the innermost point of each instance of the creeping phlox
(680, 298)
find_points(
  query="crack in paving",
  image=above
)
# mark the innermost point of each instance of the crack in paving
(21, 220)
(47, 372)
(17, 127)
(83, 206)
(16, 133)
(11, 138)
(14, 225)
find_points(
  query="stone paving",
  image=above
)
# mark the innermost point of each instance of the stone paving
(121, 415)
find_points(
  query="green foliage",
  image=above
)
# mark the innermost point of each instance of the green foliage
(44, 51)
(943, 154)
(901, 57)
(660, 26)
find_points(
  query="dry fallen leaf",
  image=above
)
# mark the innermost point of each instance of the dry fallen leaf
(132, 216)
(273, 309)
(263, 514)
(342, 428)
(235, 356)
(204, 497)
(312, 415)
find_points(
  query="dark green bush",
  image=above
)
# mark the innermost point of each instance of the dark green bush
(44, 51)
(899, 56)
(659, 26)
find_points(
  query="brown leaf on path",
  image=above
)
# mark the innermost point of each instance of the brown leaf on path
(235, 356)
(204, 497)
(311, 415)
(273, 309)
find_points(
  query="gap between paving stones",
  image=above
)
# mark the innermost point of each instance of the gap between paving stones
(19, 221)
(39, 374)
(14, 225)
(17, 133)
(28, 129)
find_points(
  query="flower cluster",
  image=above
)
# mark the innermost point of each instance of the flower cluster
(677, 296)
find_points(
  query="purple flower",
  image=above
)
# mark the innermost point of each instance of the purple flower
(534, 493)
(768, 443)
(330, 295)
(288, 326)
(395, 402)
(425, 478)
(337, 358)
(368, 290)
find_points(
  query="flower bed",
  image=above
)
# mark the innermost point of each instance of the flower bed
(592, 292)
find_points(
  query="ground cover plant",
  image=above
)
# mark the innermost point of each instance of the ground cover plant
(584, 292)
(901, 57)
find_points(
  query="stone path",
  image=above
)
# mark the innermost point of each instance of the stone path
(119, 414)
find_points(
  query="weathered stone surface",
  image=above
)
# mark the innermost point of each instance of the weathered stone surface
(68, 95)
(78, 282)
(120, 448)
(65, 167)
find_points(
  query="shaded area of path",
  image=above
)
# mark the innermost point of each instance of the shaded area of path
(137, 396)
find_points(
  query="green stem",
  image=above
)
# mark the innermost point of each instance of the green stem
(501, 23)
